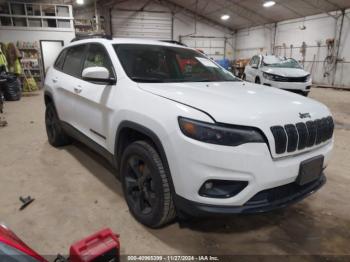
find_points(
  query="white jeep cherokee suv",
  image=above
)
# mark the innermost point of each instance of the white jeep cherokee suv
(187, 137)
(279, 72)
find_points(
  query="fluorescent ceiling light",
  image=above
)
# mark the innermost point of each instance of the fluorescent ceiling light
(225, 17)
(80, 2)
(269, 3)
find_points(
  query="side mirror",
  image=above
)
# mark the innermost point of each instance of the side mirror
(98, 74)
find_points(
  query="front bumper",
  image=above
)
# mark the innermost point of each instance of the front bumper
(192, 163)
(293, 86)
(264, 201)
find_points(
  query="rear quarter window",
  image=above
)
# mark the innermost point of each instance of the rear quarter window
(60, 60)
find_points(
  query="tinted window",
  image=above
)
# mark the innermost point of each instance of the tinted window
(254, 61)
(60, 59)
(98, 56)
(257, 60)
(72, 63)
(156, 63)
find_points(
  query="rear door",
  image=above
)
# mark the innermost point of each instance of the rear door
(67, 80)
(92, 111)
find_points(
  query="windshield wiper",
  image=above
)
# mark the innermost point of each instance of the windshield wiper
(147, 79)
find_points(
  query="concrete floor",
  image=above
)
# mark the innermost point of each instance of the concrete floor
(76, 194)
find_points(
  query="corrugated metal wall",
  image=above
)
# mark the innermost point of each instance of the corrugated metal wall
(212, 47)
(155, 25)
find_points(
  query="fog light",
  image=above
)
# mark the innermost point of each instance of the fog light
(221, 188)
(208, 185)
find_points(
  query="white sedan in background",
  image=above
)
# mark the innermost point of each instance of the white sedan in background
(280, 72)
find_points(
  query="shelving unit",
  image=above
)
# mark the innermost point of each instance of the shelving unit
(31, 63)
(17, 14)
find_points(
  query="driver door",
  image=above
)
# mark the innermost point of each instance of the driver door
(91, 104)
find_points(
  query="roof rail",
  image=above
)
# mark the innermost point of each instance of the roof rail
(173, 42)
(90, 36)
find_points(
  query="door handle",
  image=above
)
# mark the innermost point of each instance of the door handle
(77, 90)
(54, 80)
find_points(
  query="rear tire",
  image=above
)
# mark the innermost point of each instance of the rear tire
(55, 133)
(243, 77)
(145, 185)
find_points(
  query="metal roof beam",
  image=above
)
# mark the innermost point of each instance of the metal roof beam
(318, 4)
(243, 12)
(285, 5)
(236, 12)
(247, 12)
(199, 16)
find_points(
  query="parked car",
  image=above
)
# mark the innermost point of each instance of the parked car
(280, 72)
(186, 136)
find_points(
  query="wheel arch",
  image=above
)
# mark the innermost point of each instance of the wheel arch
(48, 98)
(129, 132)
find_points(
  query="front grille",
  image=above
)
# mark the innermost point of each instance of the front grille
(302, 135)
(290, 79)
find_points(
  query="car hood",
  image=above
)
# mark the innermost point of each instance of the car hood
(287, 72)
(241, 103)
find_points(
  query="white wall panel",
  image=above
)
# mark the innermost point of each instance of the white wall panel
(14, 35)
(318, 28)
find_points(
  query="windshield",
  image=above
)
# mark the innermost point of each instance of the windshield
(274, 61)
(162, 64)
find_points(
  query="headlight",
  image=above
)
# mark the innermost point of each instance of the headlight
(269, 76)
(220, 134)
(308, 78)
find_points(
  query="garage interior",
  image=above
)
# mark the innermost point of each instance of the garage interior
(76, 192)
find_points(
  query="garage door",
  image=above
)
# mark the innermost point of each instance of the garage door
(141, 24)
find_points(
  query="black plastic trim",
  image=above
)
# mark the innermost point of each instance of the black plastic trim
(157, 142)
(97, 133)
(202, 210)
(76, 134)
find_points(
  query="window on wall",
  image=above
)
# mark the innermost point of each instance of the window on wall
(33, 10)
(36, 15)
(72, 63)
(48, 10)
(17, 9)
(97, 56)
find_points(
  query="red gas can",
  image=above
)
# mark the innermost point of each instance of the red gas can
(102, 246)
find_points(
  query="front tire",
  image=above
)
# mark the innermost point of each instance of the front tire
(257, 81)
(145, 185)
(55, 133)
